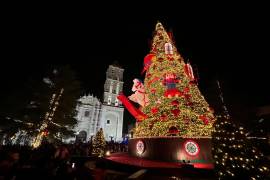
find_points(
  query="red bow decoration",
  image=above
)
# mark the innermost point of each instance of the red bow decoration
(148, 61)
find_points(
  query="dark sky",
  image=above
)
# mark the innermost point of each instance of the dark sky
(229, 42)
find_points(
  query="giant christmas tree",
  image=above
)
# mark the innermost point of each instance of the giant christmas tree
(171, 103)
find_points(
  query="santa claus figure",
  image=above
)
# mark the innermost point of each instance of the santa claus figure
(139, 96)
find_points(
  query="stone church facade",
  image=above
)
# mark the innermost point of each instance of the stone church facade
(93, 115)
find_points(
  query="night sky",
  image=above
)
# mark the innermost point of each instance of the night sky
(230, 43)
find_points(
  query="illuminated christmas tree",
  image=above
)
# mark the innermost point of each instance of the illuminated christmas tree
(99, 144)
(235, 156)
(171, 103)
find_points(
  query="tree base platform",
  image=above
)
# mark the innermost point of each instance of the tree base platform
(172, 149)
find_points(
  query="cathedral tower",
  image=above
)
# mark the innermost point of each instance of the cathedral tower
(113, 85)
(112, 110)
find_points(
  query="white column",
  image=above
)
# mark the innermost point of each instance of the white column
(111, 86)
(117, 88)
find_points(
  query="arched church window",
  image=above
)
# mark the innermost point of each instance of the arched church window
(168, 48)
(109, 100)
(116, 102)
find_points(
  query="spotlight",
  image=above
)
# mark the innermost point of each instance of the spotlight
(108, 153)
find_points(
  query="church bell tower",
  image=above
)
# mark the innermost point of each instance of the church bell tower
(113, 85)
(112, 109)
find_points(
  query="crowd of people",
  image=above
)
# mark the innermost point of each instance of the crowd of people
(65, 161)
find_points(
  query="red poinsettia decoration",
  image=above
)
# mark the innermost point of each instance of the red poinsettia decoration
(154, 110)
(153, 91)
(187, 96)
(186, 90)
(163, 117)
(170, 57)
(204, 119)
(175, 112)
(175, 103)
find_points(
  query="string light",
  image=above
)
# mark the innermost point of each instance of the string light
(195, 117)
(47, 119)
(99, 144)
(235, 141)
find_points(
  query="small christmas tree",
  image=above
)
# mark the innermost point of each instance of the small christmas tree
(234, 155)
(171, 102)
(99, 144)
